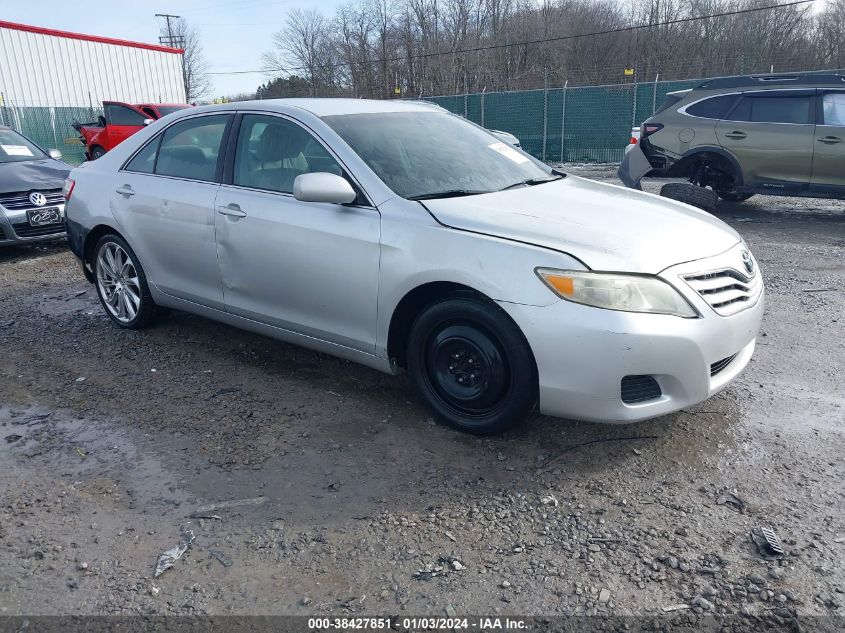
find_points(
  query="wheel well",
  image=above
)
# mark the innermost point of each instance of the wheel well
(415, 302)
(88, 247)
(690, 166)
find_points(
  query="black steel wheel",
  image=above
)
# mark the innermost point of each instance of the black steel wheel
(472, 365)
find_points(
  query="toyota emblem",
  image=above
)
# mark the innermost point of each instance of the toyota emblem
(38, 199)
(748, 262)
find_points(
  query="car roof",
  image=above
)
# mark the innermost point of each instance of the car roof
(328, 106)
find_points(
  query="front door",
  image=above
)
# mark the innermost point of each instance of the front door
(829, 155)
(122, 121)
(771, 135)
(164, 200)
(307, 267)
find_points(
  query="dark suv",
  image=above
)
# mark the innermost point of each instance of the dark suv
(737, 136)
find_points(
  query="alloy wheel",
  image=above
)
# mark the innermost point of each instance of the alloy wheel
(118, 283)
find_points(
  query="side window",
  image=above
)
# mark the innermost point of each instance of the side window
(272, 152)
(149, 112)
(121, 115)
(773, 109)
(189, 149)
(833, 106)
(712, 108)
(145, 160)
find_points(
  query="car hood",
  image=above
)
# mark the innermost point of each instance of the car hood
(607, 227)
(33, 174)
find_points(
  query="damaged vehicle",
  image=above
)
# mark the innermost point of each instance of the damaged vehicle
(118, 122)
(402, 237)
(734, 137)
(32, 207)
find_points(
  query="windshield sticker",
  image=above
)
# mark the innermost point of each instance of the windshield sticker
(17, 150)
(509, 152)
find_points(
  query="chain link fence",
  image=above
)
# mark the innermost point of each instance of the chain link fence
(583, 124)
(50, 127)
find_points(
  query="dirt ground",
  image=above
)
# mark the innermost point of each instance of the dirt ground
(341, 496)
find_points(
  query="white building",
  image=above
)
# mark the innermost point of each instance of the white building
(49, 79)
(48, 68)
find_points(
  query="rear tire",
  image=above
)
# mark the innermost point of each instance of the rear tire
(121, 284)
(97, 152)
(471, 365)
(688, 193)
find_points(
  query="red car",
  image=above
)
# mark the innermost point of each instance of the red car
(118, 122)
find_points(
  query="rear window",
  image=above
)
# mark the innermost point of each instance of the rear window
(712, 108)
(189, 149)
(773, 109)
(668, 102)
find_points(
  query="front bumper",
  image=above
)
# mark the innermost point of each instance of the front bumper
(583, 353)
(16, 231)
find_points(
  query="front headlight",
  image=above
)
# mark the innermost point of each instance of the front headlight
(613, 291)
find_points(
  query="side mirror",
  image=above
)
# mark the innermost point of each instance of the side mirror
(148, 121)
(54, 154)
(323, 187)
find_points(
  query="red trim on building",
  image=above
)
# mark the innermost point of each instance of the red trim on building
(87, 38)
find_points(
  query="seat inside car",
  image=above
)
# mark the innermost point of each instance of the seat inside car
(187, 161)
(277, 160)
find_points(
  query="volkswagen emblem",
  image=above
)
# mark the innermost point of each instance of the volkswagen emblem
(747, 262)
(38, 199)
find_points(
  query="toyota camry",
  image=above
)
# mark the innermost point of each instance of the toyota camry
(408, 239)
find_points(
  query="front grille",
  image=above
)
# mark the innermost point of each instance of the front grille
(719, 365)
(727, 291)
(20, 199)
(25, 230)
(639, 389)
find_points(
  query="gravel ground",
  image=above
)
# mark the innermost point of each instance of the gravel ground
(341, 496)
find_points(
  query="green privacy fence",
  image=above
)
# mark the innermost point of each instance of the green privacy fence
(50, 127)
(584, 124)
(590, 124)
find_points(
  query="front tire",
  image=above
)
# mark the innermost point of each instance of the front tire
(121, 284)
(472, 366)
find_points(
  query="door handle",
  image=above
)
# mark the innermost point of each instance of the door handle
(125, 190)
(232, 210)
(736, 135)
(829, 140)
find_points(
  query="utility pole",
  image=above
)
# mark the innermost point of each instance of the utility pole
(174, 41)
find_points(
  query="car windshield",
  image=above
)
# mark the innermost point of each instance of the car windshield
(14, 148)
(165, 110)
(436, 154)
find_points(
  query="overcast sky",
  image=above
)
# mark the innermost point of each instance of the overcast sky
(234, 33)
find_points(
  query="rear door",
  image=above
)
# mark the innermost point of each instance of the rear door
(164, 200)
(771, 135)
(829, 147)
(122, 121)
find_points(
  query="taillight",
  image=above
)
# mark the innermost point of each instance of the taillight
(648, 129)
(633, 141)
(67, 190)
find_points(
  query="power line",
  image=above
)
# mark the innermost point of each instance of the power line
(548, 40)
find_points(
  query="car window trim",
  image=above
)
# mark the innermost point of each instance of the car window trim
(229, 170)
(160, 136)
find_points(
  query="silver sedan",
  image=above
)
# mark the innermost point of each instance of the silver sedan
(405, 238)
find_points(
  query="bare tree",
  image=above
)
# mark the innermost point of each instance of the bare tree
(369, 47)
(198, 84)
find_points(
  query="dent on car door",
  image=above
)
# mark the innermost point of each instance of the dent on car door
(829, 147)
(164, 200)
(307, 267)
(771, 135)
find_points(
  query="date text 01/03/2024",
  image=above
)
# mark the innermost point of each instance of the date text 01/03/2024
(418, 623)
